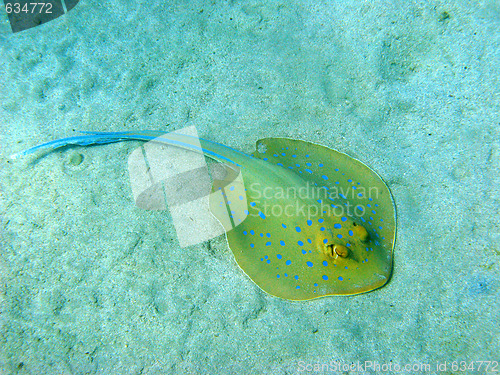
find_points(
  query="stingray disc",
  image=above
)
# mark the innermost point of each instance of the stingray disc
(317, 223)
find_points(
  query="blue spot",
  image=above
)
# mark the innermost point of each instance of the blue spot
(297, 287)
(336, 169)
(309, 164)
(344, 219)
(266, 257)
(360, 195)
(288, 262)
(366, 260)
(241, 197)
(351, 233)
(337, 226)
(261, 259)
(307, 156)
(322, 228)
(245, 232)
(315, 284)
(280, 164)
(268, 243)
(309, 240)
(296, 277)
(286, 275)
(268, 235)
(278, 256)
(262, 215)
(379, 227)
(252, 204)
(324, 177)
(294, 156)
(309, 171)
(300, 243)
(268, 261)
(325, 240)
(325, 277)
(373, 212)
(283, 225)
(320, 164)
(278, 276)
(321, 220)
(297, 165)
(231, 188)
(252, 245)
(309, 222)
(340, 278)
(265, 159)
(246, 212)
(298, 229)
(262, 234)
(325, 263)
(310, 264)
(252, 232)
(304, 252)
(282, 243)
(339, 236)
(275, 155)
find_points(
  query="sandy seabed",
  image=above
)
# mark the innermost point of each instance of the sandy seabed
(92, 284)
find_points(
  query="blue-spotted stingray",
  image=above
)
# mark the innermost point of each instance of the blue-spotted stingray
(317, 222)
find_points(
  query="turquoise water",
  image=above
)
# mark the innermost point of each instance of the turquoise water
(93, 284)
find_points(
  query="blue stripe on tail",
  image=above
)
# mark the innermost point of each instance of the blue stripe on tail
(96, 138)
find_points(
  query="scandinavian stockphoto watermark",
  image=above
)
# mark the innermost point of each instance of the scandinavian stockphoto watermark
(311, 200)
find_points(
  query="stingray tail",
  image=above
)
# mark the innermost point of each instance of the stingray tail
(211, 149)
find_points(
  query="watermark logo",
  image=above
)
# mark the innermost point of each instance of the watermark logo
(171, 171)
(25, 14)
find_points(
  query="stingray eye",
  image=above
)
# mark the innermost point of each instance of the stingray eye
(360, 232)
(341, 251)
(337, 251)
